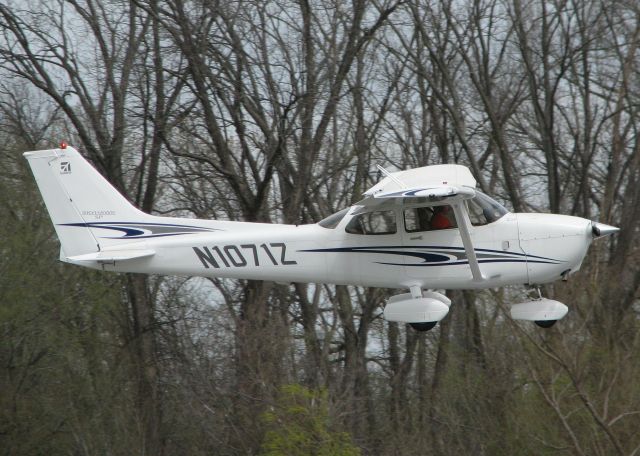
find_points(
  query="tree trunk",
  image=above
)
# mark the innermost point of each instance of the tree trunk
(146, 362)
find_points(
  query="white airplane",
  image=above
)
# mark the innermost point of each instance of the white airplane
(421, 229)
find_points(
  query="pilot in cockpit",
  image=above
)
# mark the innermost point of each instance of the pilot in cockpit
(440, 219)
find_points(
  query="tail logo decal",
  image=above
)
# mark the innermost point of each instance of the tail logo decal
(65, 168)
(141, 230)
(98, 213)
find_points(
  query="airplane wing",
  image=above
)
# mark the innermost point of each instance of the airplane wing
(436, 185)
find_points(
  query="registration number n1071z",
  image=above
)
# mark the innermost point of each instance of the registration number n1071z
(239, 256)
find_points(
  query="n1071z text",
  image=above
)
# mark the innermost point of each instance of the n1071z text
(239, 256)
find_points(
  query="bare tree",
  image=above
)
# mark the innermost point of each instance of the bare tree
(94, 88)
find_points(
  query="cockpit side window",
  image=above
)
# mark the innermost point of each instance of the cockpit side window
(373, 223)
(417, 219)
(429, 218)
(333, 220)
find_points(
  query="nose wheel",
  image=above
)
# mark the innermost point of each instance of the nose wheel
(545, 323)
(542, 311)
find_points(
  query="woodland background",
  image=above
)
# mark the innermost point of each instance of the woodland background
(277, 111)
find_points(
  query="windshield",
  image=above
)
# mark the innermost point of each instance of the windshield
(484, 210)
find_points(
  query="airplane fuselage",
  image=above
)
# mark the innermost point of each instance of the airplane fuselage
(516, 249)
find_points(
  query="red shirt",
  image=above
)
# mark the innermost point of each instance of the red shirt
(440, 221)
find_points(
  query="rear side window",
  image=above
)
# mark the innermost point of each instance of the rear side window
(333, 220)
(380, 222)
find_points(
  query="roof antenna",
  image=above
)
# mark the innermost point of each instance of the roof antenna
(390, 176)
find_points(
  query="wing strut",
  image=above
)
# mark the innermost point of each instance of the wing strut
(462, 218)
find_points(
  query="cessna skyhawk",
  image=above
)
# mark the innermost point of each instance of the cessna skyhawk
(420, 229)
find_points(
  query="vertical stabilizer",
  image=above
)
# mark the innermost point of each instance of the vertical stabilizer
(78, 199)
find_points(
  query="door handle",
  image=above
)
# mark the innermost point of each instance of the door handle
(415, 238)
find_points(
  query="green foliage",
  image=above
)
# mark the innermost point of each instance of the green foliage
(299, 424)
(62, 383)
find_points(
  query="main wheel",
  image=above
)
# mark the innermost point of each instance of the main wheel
(545, 323)
(426, 326)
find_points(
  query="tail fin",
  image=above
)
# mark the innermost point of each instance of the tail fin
(80, 201)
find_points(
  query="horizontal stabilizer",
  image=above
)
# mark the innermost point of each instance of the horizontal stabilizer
(112, 255)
